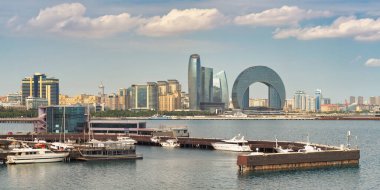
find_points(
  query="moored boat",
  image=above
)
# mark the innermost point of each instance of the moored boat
(29, 155)
(108, 150)
(170, 143)
(236, 144)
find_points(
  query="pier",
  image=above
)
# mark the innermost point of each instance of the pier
(268, 159)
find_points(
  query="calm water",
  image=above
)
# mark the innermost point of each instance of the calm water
(203, 169)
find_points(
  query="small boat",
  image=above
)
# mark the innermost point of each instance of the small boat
(279, 149)
(309, 148)
(155, 139)
(58, 146)
(236, 144)
(170, 143)
(29, 155)
(108, 150)
(126, 140)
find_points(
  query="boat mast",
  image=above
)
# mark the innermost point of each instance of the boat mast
(64, 124)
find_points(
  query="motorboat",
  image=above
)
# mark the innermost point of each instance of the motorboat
(236, 144)
(279, 149)
(126, 140)
(155, 139)
(309, 148)
(29, 155)
(58, 146)
(170, 143)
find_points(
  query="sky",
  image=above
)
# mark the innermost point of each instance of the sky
(332, 45)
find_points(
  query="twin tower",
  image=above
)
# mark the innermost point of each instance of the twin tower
(205, 87)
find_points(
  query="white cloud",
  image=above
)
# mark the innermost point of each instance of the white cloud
(366, 29)
(69, 19)
(373, 62)
(284, 16)
(182, 21)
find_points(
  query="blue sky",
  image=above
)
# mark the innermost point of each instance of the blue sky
(330, 45)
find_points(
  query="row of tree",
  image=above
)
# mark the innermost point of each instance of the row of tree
(11, 113)
(127, 113)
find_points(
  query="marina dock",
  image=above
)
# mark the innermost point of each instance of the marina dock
(268, 159)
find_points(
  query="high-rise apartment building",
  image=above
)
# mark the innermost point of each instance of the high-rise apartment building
(372, 100)
(300, 101)
(144, 97)
(194, 81)
(377, 100)
(352, 100)
(169, 95)
(360, 100)
(39, 86)
(123, 99)
(318, 100)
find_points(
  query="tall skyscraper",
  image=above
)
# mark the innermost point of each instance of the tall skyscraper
(318, 100)
(221, 93)
(194, 81)
(39, 86)
(206, 84)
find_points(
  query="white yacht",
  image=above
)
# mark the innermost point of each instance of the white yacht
(237, 144)
(309, 148)
(279, 149)
(58, 146)
(170, 143)
(126, 140)
(29, 155)
(155, 139)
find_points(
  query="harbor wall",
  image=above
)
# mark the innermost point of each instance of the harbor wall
(295, 160)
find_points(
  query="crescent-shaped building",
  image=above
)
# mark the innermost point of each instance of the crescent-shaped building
(262, 74)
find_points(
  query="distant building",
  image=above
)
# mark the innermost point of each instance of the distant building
(15, 98)
(329, 108)
(123, 99)
(289, 105)
(35, 102)
(258, 102)
(60, 119)
(378, 100)
(144, 97)
(318, 100)
(360, 100)
(372, 101)
(169, 95)
(220, 88)
(352, 100)
(300, 101)
(203, 84)
(83, 99)
(39, 86)
(326, 101)
(112, 102)
(185, 103)
(206, 84)
(310, 104)
(194, 81)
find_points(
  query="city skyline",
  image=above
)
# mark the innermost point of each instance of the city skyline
(76, 48)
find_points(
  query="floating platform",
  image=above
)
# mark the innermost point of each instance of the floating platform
(298, 160)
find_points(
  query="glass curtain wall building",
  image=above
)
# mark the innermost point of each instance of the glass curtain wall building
(221, 93)
(39, 86)
(194, 81)
(318, 100)
(63, 118)
(144, 97)
(207, 84)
